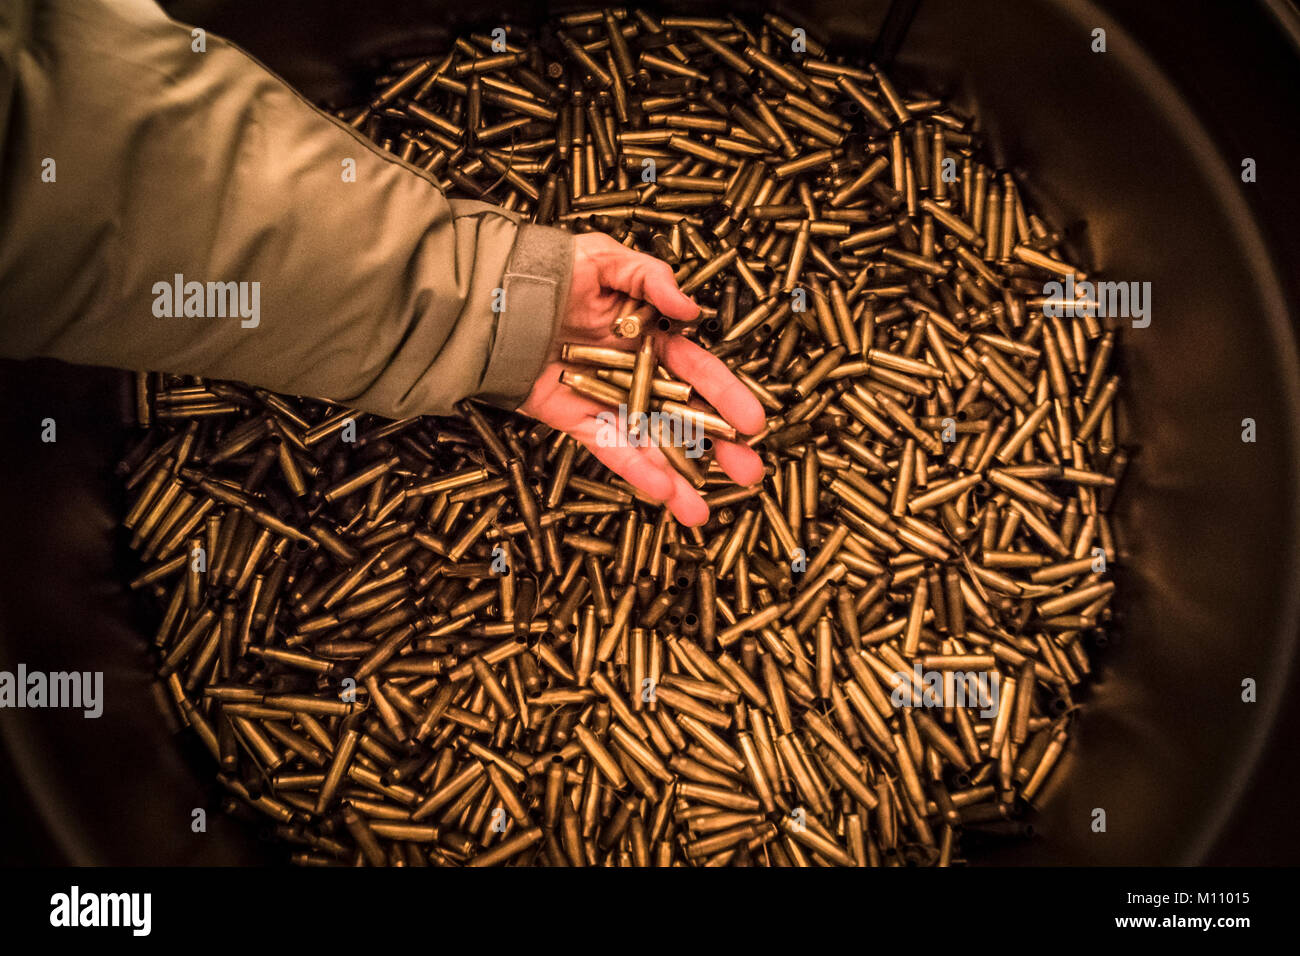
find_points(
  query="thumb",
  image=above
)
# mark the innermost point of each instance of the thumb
(647, 278)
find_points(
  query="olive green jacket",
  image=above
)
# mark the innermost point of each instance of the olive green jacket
(128, 158)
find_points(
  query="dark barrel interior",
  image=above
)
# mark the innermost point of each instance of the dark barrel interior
(1137, 150)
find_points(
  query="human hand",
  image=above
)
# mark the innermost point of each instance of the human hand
(609, 281)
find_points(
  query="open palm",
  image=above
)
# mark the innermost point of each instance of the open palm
(609, 280)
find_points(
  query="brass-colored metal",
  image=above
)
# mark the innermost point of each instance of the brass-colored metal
(462, 641)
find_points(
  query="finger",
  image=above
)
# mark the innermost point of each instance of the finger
(595, 425)
(741, 463)
(713, 380)
(683, 501)
(686, 504)
(654, 479)
(646, 278)
(647, 470)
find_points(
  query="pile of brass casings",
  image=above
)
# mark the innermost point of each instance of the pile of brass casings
(464, 642)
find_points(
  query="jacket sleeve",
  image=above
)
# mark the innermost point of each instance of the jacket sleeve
(133, 165)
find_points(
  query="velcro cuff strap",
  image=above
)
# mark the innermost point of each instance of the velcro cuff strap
(535, 284)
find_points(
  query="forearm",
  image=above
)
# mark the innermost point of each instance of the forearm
(377, 292)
